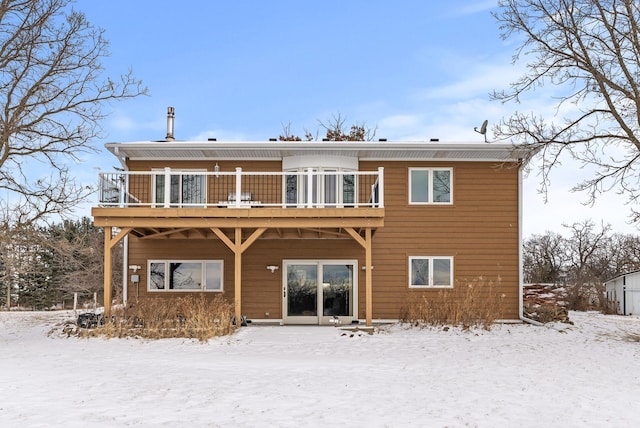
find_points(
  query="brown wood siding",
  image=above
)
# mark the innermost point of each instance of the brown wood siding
(141, 251)
(479, 230)
(225, 165)
(218, 187)
(261, 289)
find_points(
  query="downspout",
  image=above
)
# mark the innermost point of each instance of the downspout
(116, 151)
(125, 270)
(520, 265)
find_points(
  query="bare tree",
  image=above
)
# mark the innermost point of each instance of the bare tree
(78, 249)
(52, 97)
(334, 129)
(288, 136)
(589, 250)
(588, 49)
(544, 258)
(624, 253)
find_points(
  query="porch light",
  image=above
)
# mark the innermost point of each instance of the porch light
(216, 169)
(272, 268)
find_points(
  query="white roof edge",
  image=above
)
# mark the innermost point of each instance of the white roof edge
(621, 275)
(309, 144)
(500, 152)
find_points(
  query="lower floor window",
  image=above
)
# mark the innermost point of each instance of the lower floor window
(185, 275)
(430, 271)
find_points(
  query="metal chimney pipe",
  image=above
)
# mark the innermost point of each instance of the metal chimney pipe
(170, 117)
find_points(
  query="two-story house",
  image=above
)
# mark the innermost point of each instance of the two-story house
(312, 231)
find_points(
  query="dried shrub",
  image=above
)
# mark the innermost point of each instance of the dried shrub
(189, 317)
(546, 313)
(610, 307)
(469, 304)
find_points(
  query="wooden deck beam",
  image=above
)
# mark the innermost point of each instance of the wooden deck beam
(205, 223)
(211, 213)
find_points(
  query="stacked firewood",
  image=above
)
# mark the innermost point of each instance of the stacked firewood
(545, 303)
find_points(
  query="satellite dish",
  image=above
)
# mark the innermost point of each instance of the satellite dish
(483, 129)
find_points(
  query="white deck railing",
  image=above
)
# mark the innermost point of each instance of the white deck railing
(169, 188)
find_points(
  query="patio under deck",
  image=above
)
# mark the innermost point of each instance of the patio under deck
(238, 228)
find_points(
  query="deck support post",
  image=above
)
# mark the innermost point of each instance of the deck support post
(110, 242)
(237, 249)
(107, 271)
(368, 277)
(366, 244)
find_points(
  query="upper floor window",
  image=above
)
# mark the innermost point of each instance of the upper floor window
(185, 189)
(430, 185)
(330, 187)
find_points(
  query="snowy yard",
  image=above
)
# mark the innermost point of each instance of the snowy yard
(515, 375)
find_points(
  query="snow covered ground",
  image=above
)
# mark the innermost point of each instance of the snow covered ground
(515, 375)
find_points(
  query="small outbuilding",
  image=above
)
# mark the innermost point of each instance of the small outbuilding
(623, 292)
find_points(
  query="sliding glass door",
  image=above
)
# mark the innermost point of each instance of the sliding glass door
(319, 291)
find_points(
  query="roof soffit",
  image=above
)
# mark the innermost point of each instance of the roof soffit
(247, 150)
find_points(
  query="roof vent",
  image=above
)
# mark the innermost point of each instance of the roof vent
(273, 139)
(382, 139)
(170, 117)
(212, 139)
(434, 140)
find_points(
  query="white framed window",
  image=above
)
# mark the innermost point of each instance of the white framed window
(430, 186)
(185, 275)
(330, 187)
(430, 271)
(185, 189)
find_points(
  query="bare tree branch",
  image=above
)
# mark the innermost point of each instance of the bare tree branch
(590, 51)
(334, 130)
(53, 98)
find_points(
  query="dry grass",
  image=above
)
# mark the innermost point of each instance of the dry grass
(469, 304)
(188, 317)
(546, 313)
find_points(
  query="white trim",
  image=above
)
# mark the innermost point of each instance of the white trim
(520, 251)
(520, 262)
(347, 162)
(431, 272)
(278, 150)
(203, 284)
(430, 171)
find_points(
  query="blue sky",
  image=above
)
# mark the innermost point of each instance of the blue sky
(241, 70)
